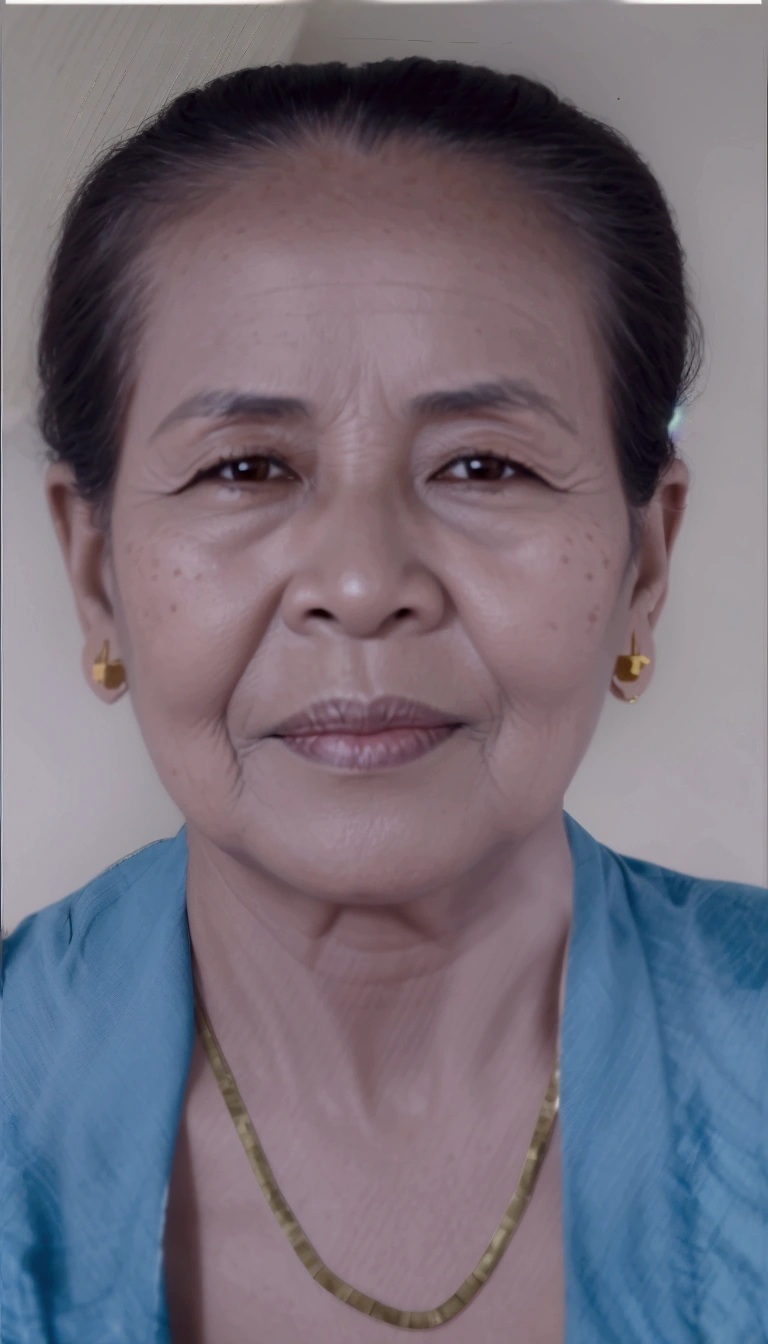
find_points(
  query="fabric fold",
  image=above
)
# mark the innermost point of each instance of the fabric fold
(664, 1084)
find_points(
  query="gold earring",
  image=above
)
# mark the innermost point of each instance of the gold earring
(108, 674)
(111, 675)
(628, 666)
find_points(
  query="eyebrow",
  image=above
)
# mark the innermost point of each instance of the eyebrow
(501, 393)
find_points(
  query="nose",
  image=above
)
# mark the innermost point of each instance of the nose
(361, 569)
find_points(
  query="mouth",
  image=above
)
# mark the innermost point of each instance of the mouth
(359, 717)
(368, 751)
(353, 735)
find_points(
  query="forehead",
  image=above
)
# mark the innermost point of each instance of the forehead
(330, 266)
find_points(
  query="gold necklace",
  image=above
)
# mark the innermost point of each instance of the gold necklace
(407, 1320)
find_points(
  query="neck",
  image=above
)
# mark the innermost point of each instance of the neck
(393, 1003)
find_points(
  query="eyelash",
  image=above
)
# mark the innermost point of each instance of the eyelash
(235, 459)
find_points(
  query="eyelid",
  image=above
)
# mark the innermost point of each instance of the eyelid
(230, 459)
(273, 458)
(492, 456)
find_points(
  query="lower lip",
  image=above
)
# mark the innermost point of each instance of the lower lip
(369, 751)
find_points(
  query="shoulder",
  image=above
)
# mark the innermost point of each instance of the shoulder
(97, 1032)
(702, 952)
(686, 925)
(711, 922)
(103, 910)
(80, 974)
(687, 955)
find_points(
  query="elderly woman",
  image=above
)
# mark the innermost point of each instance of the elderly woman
(357, 386)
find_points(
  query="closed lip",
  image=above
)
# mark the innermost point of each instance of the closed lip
(361, 716)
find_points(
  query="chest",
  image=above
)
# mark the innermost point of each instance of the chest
(405, 1221)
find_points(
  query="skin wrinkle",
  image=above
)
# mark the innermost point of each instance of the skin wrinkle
(231, 406)
(380, 954)
(587, 475)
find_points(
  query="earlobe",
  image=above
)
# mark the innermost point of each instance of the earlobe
(628, 671)
(104, 674)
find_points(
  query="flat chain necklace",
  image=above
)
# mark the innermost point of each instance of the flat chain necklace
(305, 1251)
(325, 1277)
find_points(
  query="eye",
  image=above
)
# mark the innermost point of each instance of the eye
(479, 468)
(254, 469)
(488, 468)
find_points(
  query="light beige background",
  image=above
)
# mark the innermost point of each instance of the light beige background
(680, 777)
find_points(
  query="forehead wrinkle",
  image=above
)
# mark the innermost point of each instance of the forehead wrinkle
(380, 297)
(417, 293)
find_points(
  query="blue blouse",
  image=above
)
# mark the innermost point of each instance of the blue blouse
(664, 1124)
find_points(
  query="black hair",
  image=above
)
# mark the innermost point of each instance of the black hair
(582, 171)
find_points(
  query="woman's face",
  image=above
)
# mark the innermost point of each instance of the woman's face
(380, 553)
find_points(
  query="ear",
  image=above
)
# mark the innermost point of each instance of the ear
(83, 547)
(663, 519)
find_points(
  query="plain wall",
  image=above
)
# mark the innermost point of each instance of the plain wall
(678, 778)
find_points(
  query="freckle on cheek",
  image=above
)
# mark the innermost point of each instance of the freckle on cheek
(590, 576)
(553, 625)
(174, 607)
(589, 536)
(605, 562)
(565, 559)
(176, 573)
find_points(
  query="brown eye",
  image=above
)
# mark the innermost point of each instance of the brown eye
(488, 467)
(248, 470)
(260, 469)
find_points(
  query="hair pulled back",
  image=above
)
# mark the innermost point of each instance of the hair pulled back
(583, 172)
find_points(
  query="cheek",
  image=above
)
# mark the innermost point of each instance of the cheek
(589, 589)
(189, 632)
(158, 596)
(545, 626)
